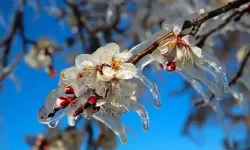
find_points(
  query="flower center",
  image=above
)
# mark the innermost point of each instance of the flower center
(116, 65)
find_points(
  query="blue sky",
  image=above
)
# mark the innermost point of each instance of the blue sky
(19, 109)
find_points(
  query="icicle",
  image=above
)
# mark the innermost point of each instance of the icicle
(219, 112)
(208, 69)
(50, 102)
(152, 87)
(142, 112)
(44, 116)
(196, 85)
(214, 88)
(114, 124)
(53, 124)
(219, 68)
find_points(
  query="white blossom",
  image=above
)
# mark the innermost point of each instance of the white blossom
(108, 63)
(89, 90)
(178, 48)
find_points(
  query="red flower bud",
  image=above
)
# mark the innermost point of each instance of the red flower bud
(65, 101)
(171, 66)
(69, 90)
(92, 100)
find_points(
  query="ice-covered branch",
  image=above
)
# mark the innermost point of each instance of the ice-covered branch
(7, 42)
(196, 22)
(234, 16)
(8, 69)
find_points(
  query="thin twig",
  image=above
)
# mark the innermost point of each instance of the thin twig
(7, 70)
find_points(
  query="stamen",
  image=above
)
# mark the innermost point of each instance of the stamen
(116, 65)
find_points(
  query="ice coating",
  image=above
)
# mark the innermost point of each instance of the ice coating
(196, 85)
(114, 124)
(69, 75)
(219, 68)
(133, 105)
(71, 109)
(151, 86)
(213, 87)
(50, 102)
(45, 118)
(150, 40)
(211, 71)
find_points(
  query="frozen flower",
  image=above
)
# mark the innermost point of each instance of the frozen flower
(108, 63)
(178, 50)
(95, 88)
(79, 95)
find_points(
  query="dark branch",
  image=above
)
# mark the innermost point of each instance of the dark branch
(196, 22)
(234, 16)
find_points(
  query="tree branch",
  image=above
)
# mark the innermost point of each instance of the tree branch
(196, 23)
(236, 16)
(7, 70)
(188, 24)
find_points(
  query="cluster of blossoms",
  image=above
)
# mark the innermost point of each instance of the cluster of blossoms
(99, 85)
(40, 56)
(178, 51)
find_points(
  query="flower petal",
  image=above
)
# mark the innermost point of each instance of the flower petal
(157, 56)
(197, 51)
(111, 51)
(97, 55)
(179, 54)
(127, 71)
(189, 39)
(69, 75)
(108, 74)
(176, 30)
(84, 61)
(124, 56)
